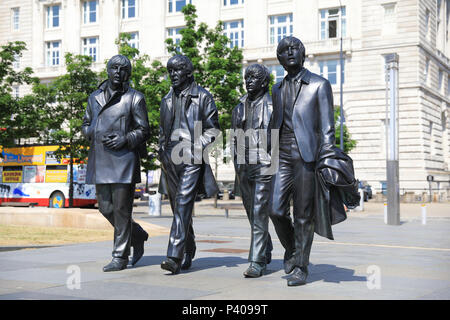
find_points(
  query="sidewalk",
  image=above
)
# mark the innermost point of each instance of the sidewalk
(408, 211)
(367, 260)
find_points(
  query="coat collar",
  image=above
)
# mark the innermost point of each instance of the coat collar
(266, 100)
(304, 76)
(192, 92)
(100, 97)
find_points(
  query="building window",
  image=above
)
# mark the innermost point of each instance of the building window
(427, 23)
(134, 40)
(16, 62)
(175, 35)
(16, 92)
(53, 16)
(280, 27)
(15, 18)
(389, 19)
(129, 9)
(90, 48)
(441, 81)
(448, 86)
(53, 52)
(232, 2)
(331, 70)
(90, 9)
(234, 30)
(177, 5)
(426, 70)
(330, 23)
(277, 71)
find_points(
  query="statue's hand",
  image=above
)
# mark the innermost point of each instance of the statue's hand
(115, 141)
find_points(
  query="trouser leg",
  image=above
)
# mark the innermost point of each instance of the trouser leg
(303, 211)
(255, 191)
(280, 205)
(261, 243)
(116, 204)
(182, 184)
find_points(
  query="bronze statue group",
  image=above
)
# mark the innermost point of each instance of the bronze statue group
(299, 163)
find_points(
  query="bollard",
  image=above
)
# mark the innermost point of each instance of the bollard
(424, 213)
(361, 201)
(360, 207)
(154, 204)
(385, 213)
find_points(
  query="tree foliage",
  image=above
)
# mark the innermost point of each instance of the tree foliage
(64, 101)
(349, 143)
(217, 67)
(17, 114)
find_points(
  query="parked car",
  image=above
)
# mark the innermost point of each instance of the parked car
(139, 191)
(367, 190)
(225, 185)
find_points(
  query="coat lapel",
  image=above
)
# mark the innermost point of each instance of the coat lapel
(266, 110)
(101, 96)
(167, 114)
(305, 81)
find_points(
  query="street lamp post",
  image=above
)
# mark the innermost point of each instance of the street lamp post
(392, 165)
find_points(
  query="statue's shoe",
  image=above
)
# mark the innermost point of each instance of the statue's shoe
(255, 270)
(298, 277)
(116, 264)
(171, 265)
(187, 259)
(289, 264)
(138, 250)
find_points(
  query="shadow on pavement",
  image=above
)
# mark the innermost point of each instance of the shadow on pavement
(330, 273)
(146, 261)
(215, 262)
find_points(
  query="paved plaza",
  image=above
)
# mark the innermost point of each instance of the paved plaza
(367, 260)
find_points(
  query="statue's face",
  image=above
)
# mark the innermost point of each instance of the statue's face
(117, 73)
(291, 56)
(178, 73)
(254, 82)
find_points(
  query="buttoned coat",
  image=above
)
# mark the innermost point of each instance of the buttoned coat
(313, 124)
(199, 108)
(237, 122)
(313, 115)
(124, 113)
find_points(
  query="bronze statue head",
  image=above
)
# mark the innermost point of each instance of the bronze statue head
(291, 53)
(181, 71)
(119, 70)
(257, 79)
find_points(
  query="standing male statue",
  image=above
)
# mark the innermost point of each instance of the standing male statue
(250, 119)
(303, 112)
(188, 123)
(116, 124)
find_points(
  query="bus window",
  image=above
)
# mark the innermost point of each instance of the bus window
(12, 174)
(56, 173)
(33, 174)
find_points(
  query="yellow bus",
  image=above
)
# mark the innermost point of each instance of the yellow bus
(33, 174)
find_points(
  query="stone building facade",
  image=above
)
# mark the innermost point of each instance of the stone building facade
(417, 30)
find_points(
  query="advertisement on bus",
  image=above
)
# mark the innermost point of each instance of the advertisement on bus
(34, 174)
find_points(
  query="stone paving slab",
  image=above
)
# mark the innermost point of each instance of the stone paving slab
(413, 262)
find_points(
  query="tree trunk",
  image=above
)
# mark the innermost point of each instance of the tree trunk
(215, 176)
(71, 179)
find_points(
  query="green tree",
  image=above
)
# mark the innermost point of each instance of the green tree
(349, 143)
(64, 101)
(217, 67)
(17, 115)
(150, 79)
